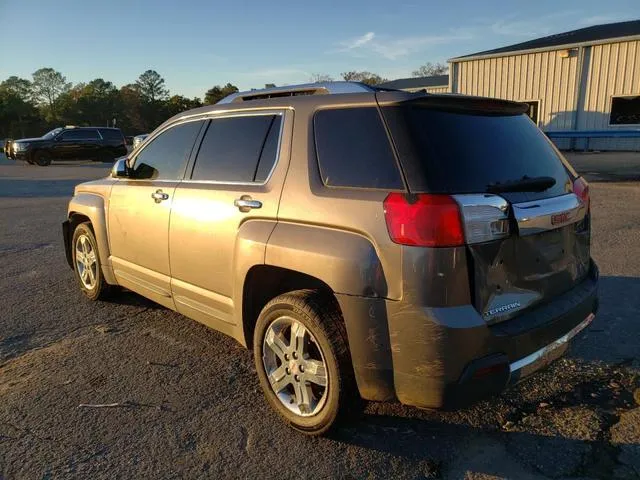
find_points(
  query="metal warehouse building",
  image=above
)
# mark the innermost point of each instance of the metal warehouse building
(580, 81)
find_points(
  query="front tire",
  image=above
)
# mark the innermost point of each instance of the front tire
(303, 360)
(86, 263)
(42, 158)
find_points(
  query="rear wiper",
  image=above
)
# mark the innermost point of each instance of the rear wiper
(525, 184)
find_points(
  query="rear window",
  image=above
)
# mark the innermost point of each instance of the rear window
(112, 135)
(354, 150)
(459, 152)
(238, 149)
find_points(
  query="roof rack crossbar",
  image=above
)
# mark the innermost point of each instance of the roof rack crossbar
(322, 88)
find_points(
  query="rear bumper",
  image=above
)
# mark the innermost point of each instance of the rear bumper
(449, 357)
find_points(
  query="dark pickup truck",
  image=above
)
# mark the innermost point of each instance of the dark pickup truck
(69, 143)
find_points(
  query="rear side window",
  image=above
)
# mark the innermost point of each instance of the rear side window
(459, 152)
(164, 157)
(80, 135)
(112, 135)
(354, 151)
(238, 149)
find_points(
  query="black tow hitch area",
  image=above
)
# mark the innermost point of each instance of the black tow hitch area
(66, 235)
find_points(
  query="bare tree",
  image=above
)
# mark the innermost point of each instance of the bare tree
(363, 77)
(320, 78)
(431, 69)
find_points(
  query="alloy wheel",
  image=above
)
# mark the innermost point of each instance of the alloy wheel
(86, 262)
(295, 366)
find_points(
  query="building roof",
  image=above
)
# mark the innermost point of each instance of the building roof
(583, 35)
(417, 82)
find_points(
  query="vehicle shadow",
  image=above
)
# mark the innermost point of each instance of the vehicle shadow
(558, 422)
(455, 451)
(127, 297)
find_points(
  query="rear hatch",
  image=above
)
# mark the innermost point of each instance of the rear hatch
(524, 211)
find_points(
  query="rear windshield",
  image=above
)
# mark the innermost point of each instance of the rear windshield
(460, 152)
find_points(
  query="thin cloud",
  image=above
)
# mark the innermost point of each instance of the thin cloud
(395, 48)
(358, 41)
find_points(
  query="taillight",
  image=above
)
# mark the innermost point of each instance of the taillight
(581, 189)
(424, 220)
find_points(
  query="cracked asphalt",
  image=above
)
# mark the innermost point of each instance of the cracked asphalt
(188, 403)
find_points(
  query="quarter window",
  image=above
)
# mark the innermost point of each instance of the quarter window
(238, 149)
(354, 151)
(625, 111)
(164, 157)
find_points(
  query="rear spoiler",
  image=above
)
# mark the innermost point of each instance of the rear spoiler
(459, 103)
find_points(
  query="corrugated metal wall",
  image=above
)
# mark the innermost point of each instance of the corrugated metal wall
(609, 69)
(543, 76)
(439, 89)
(614, 69)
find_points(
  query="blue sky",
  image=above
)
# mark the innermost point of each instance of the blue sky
(195, 44)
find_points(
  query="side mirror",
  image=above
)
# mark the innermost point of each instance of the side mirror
(121, 168)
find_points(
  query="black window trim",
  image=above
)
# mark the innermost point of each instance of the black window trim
(242, 113)
(392, 145)
(133, 159)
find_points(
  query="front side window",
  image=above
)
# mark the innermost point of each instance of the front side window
(52, 133)
(164, 157)
(625, 111)
(238, 149)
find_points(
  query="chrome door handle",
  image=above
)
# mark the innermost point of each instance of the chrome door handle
(159, 196)
(245, 203)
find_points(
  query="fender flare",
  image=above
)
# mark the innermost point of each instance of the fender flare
(346, 261)
(92, 206)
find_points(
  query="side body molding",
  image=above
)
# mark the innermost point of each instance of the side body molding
(92, 206)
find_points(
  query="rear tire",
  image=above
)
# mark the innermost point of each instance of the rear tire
(87, 265)
(42, 158)
(299, 343)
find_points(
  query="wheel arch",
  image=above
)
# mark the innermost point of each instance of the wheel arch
(89, 207)
(265, 282)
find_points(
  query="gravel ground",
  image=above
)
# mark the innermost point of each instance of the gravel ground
(191, 406)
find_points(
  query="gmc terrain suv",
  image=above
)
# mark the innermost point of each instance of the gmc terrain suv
(69, 143)
(384, 245)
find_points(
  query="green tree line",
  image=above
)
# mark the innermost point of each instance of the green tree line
(30, 107)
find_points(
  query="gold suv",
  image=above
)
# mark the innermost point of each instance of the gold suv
(365, 243)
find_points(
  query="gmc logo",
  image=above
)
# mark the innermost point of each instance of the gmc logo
(559, 218)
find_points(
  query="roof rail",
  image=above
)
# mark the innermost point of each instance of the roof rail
(322, 88)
